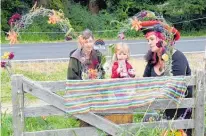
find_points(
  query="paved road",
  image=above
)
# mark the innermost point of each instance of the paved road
(61, 50)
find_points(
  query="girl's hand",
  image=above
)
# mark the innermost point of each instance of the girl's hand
(123, 74)
(119, 69)
(131, 71)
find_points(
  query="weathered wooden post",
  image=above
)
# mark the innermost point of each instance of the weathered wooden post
(17, 105)
(199, 104)
(205, 82)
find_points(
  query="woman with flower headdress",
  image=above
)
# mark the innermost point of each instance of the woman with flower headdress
(85, 62)
(162, 58)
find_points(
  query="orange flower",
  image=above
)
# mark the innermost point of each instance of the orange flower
(92, 73)
(54, 18)
(12, 36)
(174, 132)
(136, 24)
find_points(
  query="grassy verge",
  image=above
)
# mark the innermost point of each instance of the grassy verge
(35, 71)
(38, 123)
(60, 122)
(108, 35)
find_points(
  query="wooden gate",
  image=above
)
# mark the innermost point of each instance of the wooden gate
(46, 91)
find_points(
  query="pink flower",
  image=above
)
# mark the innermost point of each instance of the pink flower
(95, 62)
(68, 38)
(11, 55)
(143, 14)
(121, 36)
(3, 64)
(14, 18)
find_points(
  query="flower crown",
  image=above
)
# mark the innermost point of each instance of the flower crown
(147, 21)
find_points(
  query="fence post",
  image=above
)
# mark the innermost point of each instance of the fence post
(199, 106)
(17, 105)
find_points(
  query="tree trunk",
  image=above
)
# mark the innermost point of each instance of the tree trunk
(43, 3)
(94, 6)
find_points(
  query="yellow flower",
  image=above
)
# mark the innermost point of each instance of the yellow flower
(6, 55)
(165, 57)
(175, 133)
(150, 14)
(43, 117)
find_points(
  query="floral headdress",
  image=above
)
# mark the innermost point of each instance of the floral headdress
(150, 23)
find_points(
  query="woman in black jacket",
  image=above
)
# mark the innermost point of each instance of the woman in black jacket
(162, 58)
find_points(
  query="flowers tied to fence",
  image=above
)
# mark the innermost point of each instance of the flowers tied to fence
(6, 61)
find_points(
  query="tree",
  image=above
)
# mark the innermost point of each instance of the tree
(10, 7)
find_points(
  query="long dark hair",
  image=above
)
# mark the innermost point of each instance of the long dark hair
(151, 58)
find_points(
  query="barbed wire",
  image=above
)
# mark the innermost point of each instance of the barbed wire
(189, 20)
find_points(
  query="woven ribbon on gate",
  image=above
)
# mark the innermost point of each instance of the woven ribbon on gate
(84, 96)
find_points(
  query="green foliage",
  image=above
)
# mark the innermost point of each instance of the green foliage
(50, 122)
(38, 123)
(40, 25)
(6, 125)
(81, 18)
(180, 7)
(5, 86)
(9, 7)
(3, 37)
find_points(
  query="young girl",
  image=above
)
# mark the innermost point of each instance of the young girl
(121, 67)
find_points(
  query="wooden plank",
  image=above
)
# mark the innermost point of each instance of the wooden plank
(46, 110)
(100, 123)
(89, 131)
(51, 98)
(17, 105)
(55, 86)
(158, 104)
(199, 107)
(165, 124)
(44, 94)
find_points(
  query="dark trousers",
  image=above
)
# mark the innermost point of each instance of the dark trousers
(183, 112)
